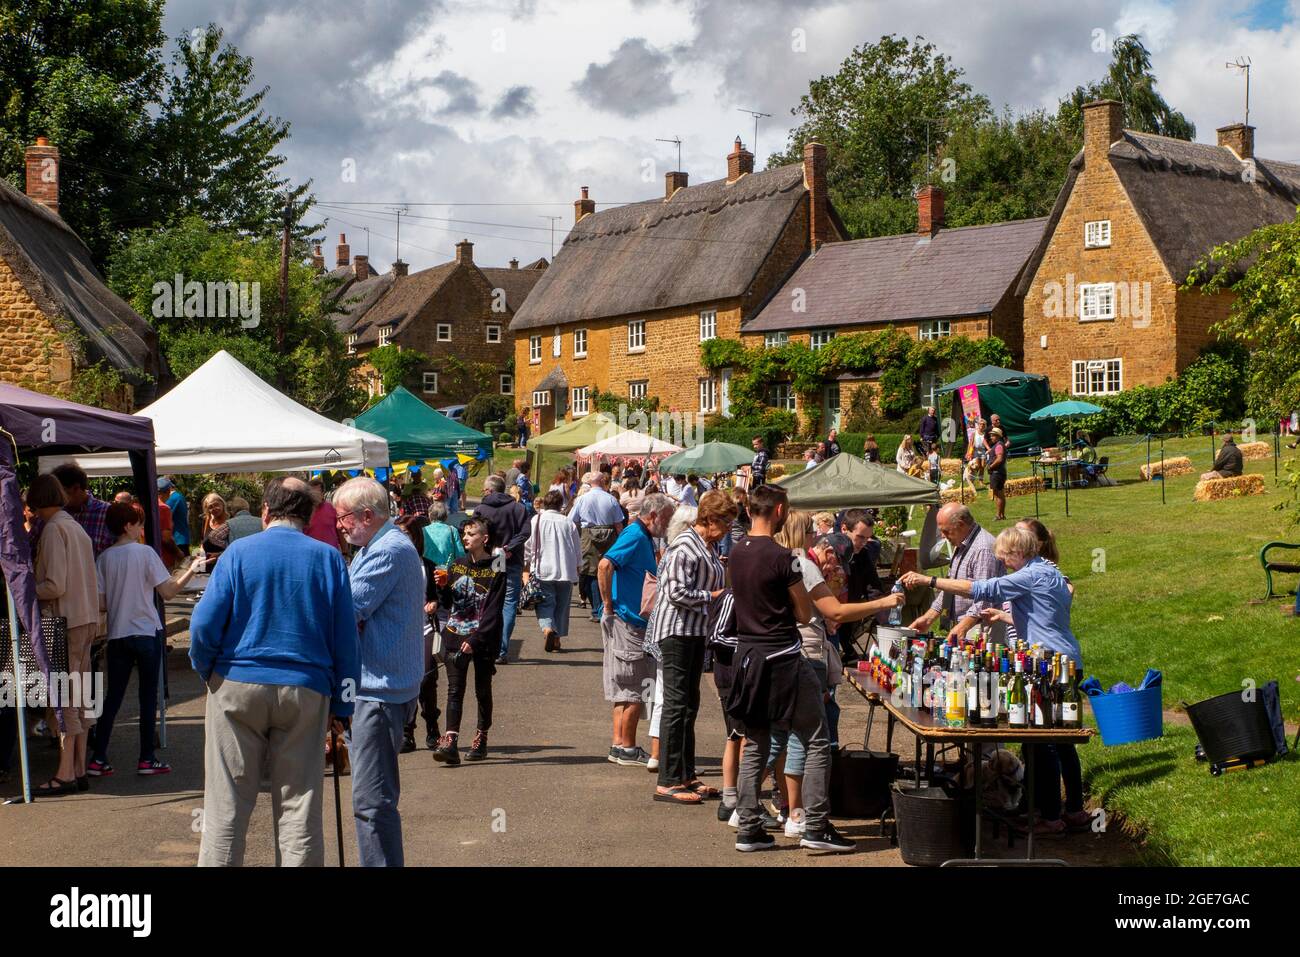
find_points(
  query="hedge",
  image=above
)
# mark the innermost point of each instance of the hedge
(852, 443)
(744, 436)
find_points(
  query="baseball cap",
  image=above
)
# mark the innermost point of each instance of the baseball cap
(164, 483)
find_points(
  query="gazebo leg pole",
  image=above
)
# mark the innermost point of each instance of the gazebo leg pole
(21, 694)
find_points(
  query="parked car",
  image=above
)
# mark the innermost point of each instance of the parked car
(453, 412)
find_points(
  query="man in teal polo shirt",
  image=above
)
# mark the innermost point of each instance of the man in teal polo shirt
(627, 670)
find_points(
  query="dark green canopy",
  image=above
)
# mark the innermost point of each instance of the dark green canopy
(846, 481)
(1014, 396)
(417, 433)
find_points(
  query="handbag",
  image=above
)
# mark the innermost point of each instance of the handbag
(55, 633)
(530, 596)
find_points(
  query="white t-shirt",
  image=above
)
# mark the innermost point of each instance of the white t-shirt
(128, 575)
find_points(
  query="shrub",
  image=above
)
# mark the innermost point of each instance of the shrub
(505, 438)
(489, 407)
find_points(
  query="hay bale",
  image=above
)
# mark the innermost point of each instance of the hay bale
(950, 466)
(1214, 490)
(1023, 486)
(1256, 450)
(1180, 465)
(775, 470)
(958, 493)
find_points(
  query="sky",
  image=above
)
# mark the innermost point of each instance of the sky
(484, 118)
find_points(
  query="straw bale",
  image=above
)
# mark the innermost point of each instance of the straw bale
(1214, 490)
(1180, 465)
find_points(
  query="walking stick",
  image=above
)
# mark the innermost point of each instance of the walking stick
(338, 805)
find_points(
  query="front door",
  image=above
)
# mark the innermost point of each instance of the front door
(832, 407)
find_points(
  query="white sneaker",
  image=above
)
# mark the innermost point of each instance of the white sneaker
(794, 823)
(652, 764)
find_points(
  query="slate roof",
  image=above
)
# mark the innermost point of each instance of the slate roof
(958, 272)
(55, 268)
(402, 302)
(1191, 197)
(704, 243)
(353, 302)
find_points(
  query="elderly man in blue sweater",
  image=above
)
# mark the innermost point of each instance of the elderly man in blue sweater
(275, 640)
(388, 590)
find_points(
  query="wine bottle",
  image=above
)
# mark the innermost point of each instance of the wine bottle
(1071, 709)
(1058, 696)
(973, 697)
(1017, 701)
(988, 698)
(1040, 705)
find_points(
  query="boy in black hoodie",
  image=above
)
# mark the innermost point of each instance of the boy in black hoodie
(507, 523)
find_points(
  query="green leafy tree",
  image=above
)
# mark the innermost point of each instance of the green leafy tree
(876, 116)
(1130, 81)
(397, 366)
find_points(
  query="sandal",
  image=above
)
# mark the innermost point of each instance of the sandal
(54, 787)
(677, 794)
(705, 791)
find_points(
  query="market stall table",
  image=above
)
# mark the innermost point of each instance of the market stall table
(929, 731)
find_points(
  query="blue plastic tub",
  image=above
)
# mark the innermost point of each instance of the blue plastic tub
(1125, 718)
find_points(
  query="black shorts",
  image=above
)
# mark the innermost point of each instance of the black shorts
(997, 479)
(735, 730)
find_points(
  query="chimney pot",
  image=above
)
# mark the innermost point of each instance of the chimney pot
(514, 264)
(929, 210)
(1103, 124)
(42, 166)
(361, 266)
(584, 206)
(673, 182)
(342, 252)
(464, 251)
(400, 268)
(739, 162)
(1239, 138)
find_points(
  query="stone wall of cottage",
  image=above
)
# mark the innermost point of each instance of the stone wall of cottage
(1162, 329)
(32, 352)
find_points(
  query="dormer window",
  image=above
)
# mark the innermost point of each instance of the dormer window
(1096, 234)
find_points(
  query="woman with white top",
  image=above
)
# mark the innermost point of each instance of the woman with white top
(906, 457)
(551, 557)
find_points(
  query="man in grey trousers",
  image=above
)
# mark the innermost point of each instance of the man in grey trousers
(387, 578)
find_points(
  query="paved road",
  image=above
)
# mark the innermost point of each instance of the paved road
(545, 796)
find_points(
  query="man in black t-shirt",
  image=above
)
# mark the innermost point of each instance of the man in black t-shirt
(773, 682)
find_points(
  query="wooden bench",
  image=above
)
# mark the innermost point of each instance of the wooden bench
(1286, 568)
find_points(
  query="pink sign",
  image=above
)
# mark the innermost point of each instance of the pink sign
(970, 401)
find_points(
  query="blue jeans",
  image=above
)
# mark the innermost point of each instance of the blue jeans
(553, 610)
(597, 606)
(514, 583)
(377, 730)
(143, 652)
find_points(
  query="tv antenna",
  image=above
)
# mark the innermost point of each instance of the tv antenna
(678, 141)
(928, 121)
(756, 115)
(1242, 65)
(552, 219)
(399, 211)
(367, 229)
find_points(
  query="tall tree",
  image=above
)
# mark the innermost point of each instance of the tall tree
(1130, 81)
(876, 116)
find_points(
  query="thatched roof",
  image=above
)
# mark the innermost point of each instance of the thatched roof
(1191, 197)
(704, 243)
(55, 268)
(353, 302)
(517, 283)
(958, 272)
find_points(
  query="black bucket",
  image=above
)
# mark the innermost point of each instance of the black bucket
(1230, 727)
(933, 826)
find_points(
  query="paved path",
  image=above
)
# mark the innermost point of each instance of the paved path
(546, 795)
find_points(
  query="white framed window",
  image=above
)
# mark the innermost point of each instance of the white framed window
(579, 343)
(1096, 301)
(931, 383)
(820, 339)
(444, 332)
(494, 332)
(708, 324)
(1096, 234)
(534, 349)
(934, 329)
(507, 384)
(708, 395)
(580, 400)
(385, 333)
(636, 335)
(1098, 376)
(352, 343)
(638, 389)
(430, 383)
(773, 339)
(781, 396)
(541, 398)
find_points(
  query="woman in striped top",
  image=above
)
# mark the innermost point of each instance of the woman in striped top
(691, 577)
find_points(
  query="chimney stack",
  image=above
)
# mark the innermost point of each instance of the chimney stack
(1239, 138)
(317, 258)
(43, 174)
(739, 162)
(929, 210)
(465, 252)
(514, 264)
(400, 268)
(342, 252)
(820, 229)
(673, 182)
(583, 207)
(361, 266)
(1103, 124)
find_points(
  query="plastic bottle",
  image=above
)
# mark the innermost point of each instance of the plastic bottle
(896, 613)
